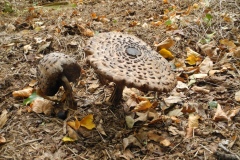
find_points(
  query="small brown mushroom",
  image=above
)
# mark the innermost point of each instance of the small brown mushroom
(129, 61)
(55, 70)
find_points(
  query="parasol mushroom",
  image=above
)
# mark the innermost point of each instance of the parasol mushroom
(128, 61)
(55, 70)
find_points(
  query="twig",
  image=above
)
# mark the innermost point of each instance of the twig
(108, 154)
(34, 140)
(101, 136)
(206, 148)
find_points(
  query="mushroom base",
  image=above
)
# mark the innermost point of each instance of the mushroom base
(68, 91)
(116, 95)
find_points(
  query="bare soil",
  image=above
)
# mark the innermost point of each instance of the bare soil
(62, 27)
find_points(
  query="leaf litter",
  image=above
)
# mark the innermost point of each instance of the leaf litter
(199, 117)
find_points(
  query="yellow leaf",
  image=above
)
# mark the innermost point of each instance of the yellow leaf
(192, 59)
(165, 1)
(143, 105)
(67, 139)
(74, 124)
(87, 122)
(166, 53)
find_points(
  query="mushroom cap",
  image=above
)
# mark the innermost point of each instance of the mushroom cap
(127, 60)
(52, 67)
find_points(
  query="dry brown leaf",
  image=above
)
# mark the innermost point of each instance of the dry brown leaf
(165, 142)
(174, 131)
(167, 43)
(233, 112)
(193, 121)
(206, 65)
(200, 89)
(3, 118)
(175, 112)
(131, 140)
(129, 121)
(33, 83)
(155, 137)
(141, 117)
(87, 32)
(72, 133)
(92, 87)
(189, 132)
(236, 53)
(228, 43)
(40, 105)
(127, 154)
(26, 92)
(237, 96)
(220, 115)
(172, 100)
(100, 129)
(2, 140)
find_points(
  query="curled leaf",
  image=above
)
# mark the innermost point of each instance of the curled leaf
(26, 92)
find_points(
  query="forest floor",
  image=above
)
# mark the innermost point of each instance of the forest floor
(198, 119)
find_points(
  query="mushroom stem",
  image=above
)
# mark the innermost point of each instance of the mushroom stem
(68, 91)
(117, 94)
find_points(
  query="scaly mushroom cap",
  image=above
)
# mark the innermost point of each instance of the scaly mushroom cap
(52, 67)
(127, 60)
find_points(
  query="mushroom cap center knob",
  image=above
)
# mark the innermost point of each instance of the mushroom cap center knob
(133, 52)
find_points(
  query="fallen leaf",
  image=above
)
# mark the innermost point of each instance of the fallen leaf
(26, 92)
(141, 117)
(192, 59)
(92, 87)
(67, 139)
(72, 133)
(175, 112)
(131, 140)
(143, 105)
(41, 105)
(206, 65)
(220, 115)
(32, 83)
(228, 43)
(129, 121)
(172, 100)
(233, 112)
(155, 137)
(193, 121)
(165, 142)
(189, 132)
(166, 44)
(2, 140)
(127, 154)
(200, 89)
(3, 118)
(74, 124)
(174, 131)
(100, 129)
(237, 96)
(166, 53)
(87, 122)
